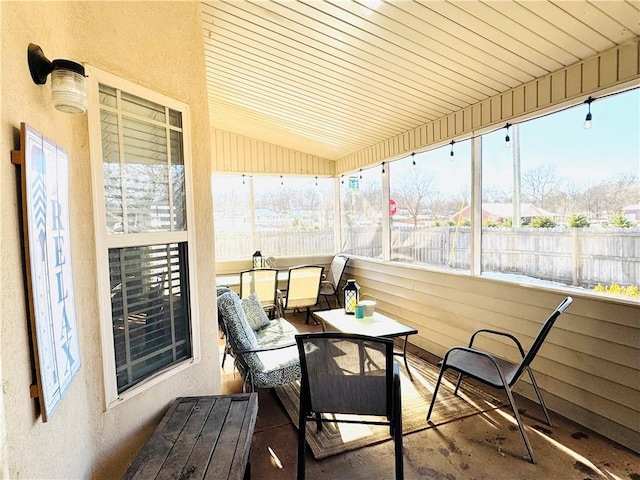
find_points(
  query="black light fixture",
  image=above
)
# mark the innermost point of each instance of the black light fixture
(68, 80)
(342, 178)
(451, 154)
(316, 180)
(360, 174)
(243, 178)
(507, 139)
(383, 167)
(281, 180)
(587, 119)
(413, 158)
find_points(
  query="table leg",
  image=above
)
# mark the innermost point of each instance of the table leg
(404, 354)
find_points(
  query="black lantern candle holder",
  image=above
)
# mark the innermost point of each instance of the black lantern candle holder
(258, 260)
(351, 296)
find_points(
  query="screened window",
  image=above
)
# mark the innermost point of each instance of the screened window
(280, 216)
(361, 211)
(561, 203)
(429, 214)
(146, 234)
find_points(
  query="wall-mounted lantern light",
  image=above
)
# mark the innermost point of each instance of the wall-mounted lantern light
(68, 81)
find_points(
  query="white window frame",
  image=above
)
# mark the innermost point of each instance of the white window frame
(104, 241)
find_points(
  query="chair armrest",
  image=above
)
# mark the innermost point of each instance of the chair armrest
(266, 348)
(501, 334)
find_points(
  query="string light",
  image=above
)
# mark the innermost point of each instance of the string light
(360, 174)
(281, 181)
(507, 139)
(451, 154)
(316, 180)
(413, 158)
(342, 178)
(243, 178)
(382, 167)
(587, 119)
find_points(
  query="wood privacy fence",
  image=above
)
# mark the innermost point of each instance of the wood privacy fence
(573, 256)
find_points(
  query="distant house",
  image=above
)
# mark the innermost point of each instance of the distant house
(632, 212)
(499, 212)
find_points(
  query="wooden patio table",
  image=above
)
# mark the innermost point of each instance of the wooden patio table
(206, 437)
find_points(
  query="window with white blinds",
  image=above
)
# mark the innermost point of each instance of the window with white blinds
(145, 233)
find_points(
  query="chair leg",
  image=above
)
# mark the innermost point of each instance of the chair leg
(397, 429)
(539, 395)
(458, 382)
(326, 299)
(520, 424)
(435, 393)
(302, 431)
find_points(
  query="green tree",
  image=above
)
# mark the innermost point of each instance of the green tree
(619, 221)
(543, 222)
(578, 220)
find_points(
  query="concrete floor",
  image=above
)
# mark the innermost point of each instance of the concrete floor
(484, 446)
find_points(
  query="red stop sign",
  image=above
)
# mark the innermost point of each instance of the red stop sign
(393, 208)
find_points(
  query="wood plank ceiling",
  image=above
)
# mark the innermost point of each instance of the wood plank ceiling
(329, 78)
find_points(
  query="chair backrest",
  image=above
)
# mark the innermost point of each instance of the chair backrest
(261, 281)
(303, 286)
(336, 269)
(346, 373)
(540, 338)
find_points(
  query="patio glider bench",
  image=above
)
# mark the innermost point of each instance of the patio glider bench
(264, 350)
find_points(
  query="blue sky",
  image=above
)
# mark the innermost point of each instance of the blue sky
(609, 148)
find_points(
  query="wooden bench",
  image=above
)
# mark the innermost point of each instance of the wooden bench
(205, 437)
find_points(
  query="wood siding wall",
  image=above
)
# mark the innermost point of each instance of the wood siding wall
(234, 153)
(589, 367)
(576, 82)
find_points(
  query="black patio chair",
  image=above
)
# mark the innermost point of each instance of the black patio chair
(344, 373)
(498, 372)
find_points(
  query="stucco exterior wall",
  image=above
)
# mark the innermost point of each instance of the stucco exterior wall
(155, 44)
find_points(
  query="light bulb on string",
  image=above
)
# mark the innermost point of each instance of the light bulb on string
(341, 178)
(452, 154)
(281, 181)
(507, 138)
(360, 174)
(413, 158)
(316, 181)
(382, 167)
(587, 119)
(243, 178)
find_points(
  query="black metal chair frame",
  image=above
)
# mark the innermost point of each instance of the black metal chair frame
(284, 295)
(332, 282)
(393, 399)
(498, 372)
(271, 304)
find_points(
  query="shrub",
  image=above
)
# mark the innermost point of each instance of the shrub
(490, 224)
(619, 220)
(615, 289)
(543, 222)
(578, 221)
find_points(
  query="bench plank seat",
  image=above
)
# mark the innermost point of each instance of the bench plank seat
(206, 437)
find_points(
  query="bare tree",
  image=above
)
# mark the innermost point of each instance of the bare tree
(413, 191)
(539, 183)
